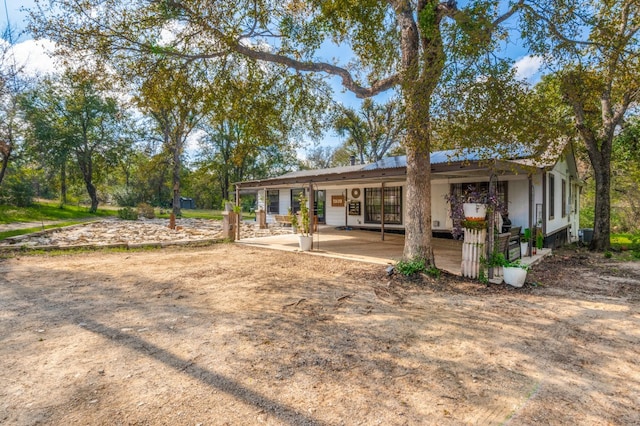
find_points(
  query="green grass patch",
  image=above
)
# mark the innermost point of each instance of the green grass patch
(626, 246)
(16, 232)
(43, 211)
(199, 214)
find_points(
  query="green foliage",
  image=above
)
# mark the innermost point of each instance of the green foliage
(496, 259)
(16, 191)
(128, 213)
(427, 19)
(410, 267)
(147, 211)
(304, 224)
(74, 114)
(414, 266)
(516, 264)
(539, 238)
(433, 272)
(474, 224)
(125, 196)
(374, 131)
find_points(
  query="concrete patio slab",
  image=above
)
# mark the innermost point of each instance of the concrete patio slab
(364, 246)
(368, 246)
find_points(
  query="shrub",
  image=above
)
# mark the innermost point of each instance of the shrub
(125, 197)
(411, 267)
(17, 191)
(146, 211)
(128, 213)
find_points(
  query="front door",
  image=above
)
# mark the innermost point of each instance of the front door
(319, 205)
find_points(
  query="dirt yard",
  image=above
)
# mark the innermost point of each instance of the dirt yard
(234, 335)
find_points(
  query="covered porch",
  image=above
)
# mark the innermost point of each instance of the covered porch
(367, 246)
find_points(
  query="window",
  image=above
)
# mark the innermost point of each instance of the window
(295, 199)
(552, 196)
(565, 201)
(392, 205)
(273, 201)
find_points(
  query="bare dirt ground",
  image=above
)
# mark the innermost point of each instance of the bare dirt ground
(234, 335)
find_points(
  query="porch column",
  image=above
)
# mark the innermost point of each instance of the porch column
(312, 215)
(382, 211)
(532, 204)
(346, 208)
(239, 217)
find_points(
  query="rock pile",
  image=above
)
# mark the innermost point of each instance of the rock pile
(128, 233)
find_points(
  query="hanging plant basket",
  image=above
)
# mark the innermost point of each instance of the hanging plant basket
(474, 211)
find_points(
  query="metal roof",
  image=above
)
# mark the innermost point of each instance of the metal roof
(396, 166)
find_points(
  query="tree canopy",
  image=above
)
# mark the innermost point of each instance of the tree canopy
(594, 49)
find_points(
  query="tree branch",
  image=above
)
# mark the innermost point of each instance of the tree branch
(347, 79)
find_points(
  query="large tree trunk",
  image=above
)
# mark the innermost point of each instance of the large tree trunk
(93, 193)
(177, 151)
(63, 183)
(5, 150)
(417, 242)
(602, 211)
(86, 167)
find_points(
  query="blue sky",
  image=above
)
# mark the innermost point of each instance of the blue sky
(33, 54)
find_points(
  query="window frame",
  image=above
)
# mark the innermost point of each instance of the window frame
(392, 199)
(552, 196)
(270, 201)
(565, 200)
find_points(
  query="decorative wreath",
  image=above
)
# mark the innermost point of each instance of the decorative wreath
(355, 192)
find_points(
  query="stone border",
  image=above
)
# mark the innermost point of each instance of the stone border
(127, 246)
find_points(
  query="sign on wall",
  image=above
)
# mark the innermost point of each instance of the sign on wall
(337, 201)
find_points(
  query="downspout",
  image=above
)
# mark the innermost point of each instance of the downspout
(382, 212)
(531, 207)
(312, 218)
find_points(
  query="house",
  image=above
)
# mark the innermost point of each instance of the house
(540, 191)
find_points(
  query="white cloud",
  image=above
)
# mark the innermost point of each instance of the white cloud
(527, 67)
(35, 56)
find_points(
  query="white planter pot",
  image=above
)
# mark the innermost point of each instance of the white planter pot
(524, 248)
(514, 276)
(474, 211)
(306, 241)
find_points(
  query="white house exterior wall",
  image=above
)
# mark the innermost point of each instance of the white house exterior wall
(440, 215)
(334, 215)
(518, 196)
(560, 173)
(518, 202)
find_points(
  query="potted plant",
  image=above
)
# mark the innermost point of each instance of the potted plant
(306, 240)
(496, 260)
(294, 221)
(515, 273)
(524, 242)
(539, 239)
